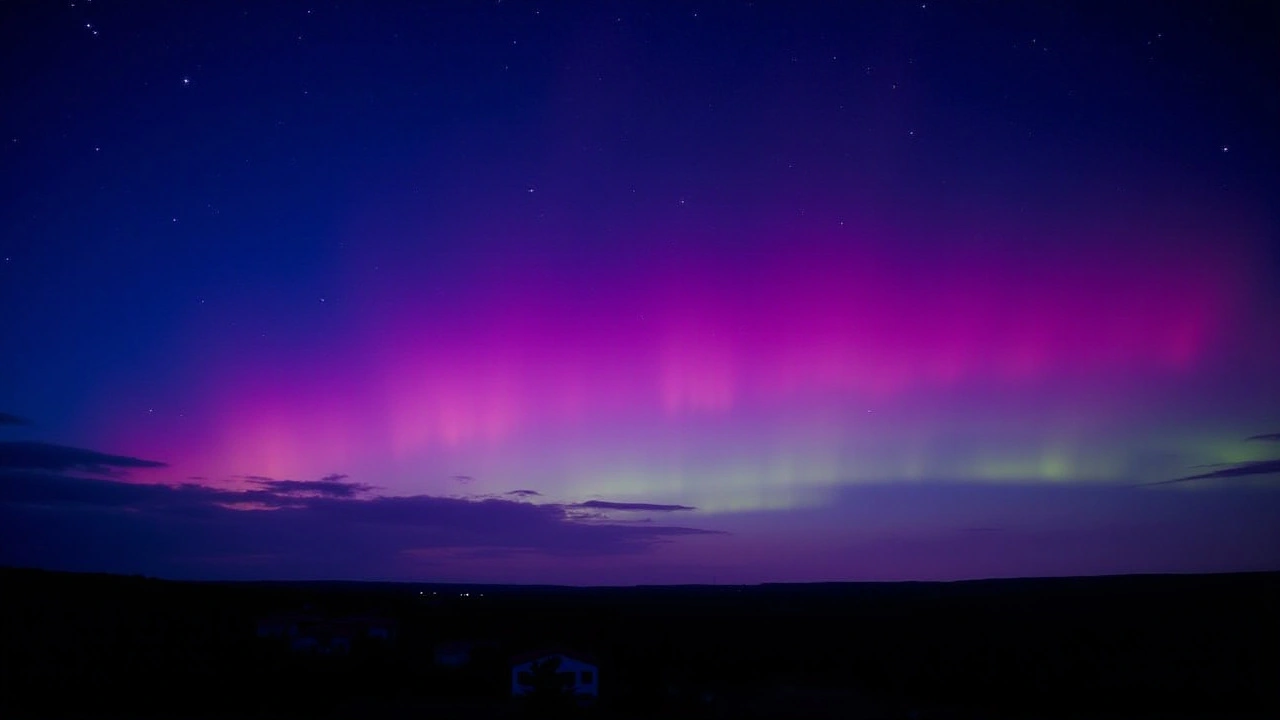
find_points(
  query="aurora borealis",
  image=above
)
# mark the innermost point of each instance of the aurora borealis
(620, 293)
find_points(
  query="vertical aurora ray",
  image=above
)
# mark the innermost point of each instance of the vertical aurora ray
(810, 359)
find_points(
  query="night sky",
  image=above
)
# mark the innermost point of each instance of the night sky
(639, 292)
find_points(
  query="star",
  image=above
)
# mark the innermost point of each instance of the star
(186, 80)
(1225, 148)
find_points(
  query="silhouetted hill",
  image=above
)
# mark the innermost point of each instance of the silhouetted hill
(1133, 646)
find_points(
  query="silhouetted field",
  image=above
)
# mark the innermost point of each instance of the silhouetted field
(1141, 646)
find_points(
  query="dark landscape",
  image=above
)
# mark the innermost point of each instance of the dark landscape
(1194, 646)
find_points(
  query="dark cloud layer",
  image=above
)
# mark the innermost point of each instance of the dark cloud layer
(60, 458)
(331, 486)
(1240, 470)
(327, 528)
(636, 507)
(1265, 437)
(7, 419)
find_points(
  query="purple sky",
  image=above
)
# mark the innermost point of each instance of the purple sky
(738, 292)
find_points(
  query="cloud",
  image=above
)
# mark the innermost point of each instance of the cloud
(59, 458)
(326, 528)
(524, 493)
(1265, 437)
(1245, 469)
(7, 419)
(463, 479)
(330, 486)
(636, 507)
